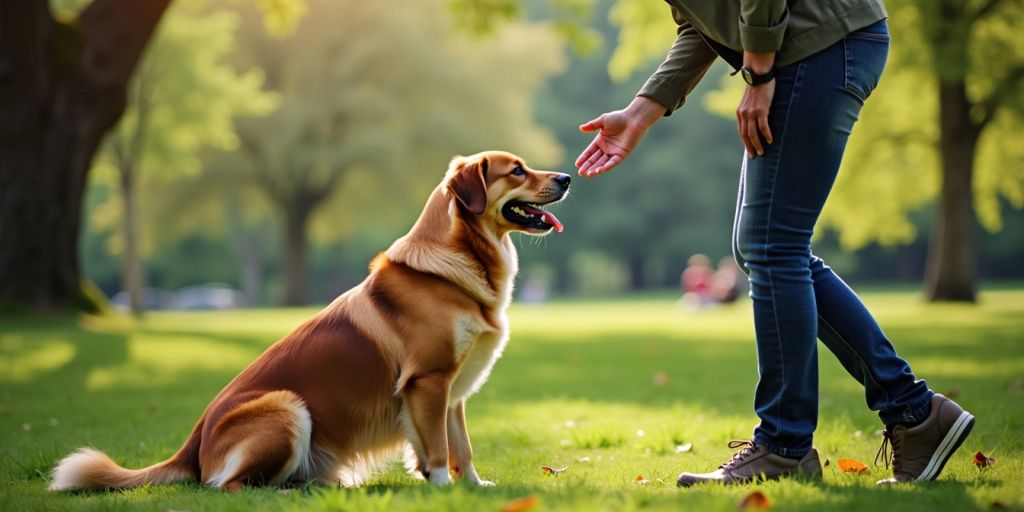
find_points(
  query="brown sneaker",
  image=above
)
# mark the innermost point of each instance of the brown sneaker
(920, 453)
(754, 462)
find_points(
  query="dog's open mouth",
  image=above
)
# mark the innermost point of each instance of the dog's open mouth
(531, 215)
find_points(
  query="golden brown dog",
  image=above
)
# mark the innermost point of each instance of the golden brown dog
(389, 364)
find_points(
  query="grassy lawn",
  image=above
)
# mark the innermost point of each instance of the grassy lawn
(608, 388)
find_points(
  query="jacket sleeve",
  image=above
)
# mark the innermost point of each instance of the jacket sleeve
(762, 25)
(686, 63)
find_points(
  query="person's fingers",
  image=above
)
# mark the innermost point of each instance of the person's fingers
(755, 139)
(589, 162)
(609, 165)
(593, 124)
(742, 121)
(586, 154)
(762, 123)
(595, 169)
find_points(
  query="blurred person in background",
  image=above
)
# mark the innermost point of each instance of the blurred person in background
(809, 67)
(726, 284)
(696, 282)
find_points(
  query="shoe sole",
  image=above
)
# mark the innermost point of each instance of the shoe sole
(954, 438)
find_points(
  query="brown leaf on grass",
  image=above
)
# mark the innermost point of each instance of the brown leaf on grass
(660, 379)
(952, 393)
(983, 461)
(852, 466)
(1016, 385)
(518, 505)
(998, 504)
(827, 463)
(548, 470)
(641, 480)
(755, 500)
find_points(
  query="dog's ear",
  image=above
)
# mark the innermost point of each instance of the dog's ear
(468, 182)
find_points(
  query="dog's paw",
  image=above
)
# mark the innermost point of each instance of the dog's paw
(440, 477)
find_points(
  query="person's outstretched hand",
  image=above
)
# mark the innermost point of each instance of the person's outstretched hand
(618, 133)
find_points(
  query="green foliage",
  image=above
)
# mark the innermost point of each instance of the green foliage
(646, 30)
(183, 97)
(575, 381)
(374, 104)
(569, 18)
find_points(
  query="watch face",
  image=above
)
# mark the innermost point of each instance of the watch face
(747, 76)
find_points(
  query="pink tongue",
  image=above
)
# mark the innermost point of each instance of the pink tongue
(546, 216)
(551, 219)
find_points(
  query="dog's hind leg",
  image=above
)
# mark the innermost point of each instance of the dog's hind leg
(261, 442)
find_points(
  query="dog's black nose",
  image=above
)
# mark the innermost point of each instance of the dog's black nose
(563, 180)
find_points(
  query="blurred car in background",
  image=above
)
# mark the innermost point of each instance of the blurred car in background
(210, 296)
(152, 298)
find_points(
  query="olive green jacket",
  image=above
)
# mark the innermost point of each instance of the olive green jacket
(794, 29)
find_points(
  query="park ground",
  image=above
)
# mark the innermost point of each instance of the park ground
(611, 389)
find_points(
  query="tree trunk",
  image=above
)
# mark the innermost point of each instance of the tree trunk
(131, 265)
(296, 274)
(249, 245)
(951, 273)
(62, 87)
(637, 272)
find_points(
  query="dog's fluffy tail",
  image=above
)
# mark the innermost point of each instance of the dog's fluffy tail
(92, 469)
(87, 468)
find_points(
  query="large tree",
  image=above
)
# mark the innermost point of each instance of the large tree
(62, 86)
(63, 83)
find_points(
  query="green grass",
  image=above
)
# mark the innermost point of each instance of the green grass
(576, 382)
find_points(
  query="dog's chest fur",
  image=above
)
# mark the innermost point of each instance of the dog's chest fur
(477, 347)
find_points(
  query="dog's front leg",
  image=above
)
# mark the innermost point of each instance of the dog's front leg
(426, 404)
(460, 450)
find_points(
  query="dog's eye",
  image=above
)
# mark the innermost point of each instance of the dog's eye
(518, 171)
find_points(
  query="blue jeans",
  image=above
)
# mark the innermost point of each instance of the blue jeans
(797, 297)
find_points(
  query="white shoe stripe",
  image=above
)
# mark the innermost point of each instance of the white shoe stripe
(946, 446)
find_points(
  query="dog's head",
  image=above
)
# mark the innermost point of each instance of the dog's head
(498, 189)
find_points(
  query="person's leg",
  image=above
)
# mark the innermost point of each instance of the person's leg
(847, 328)
(797, 298)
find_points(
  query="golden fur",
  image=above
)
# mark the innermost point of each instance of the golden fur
(387, 365)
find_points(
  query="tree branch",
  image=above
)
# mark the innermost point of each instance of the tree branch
(985, 10)
(990, 105)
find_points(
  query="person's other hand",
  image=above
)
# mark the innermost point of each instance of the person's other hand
(752, 117)
(618, 133)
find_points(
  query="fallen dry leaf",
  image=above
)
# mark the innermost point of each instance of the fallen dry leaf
(852, 466)
(683, 448)
(827, 462)
(548, 470)
(518, 505)
(641, 480)
(983, 461)
(660, 379)
(952, 393)
(1016, 385)
(756, 500)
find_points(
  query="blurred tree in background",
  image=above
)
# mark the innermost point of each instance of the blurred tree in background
(183, 97)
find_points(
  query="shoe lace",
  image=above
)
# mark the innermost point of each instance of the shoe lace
(893, 440)
(748, 449)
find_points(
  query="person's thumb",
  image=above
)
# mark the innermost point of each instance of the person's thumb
(595, 124)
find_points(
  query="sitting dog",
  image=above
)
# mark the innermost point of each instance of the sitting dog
(388, 365)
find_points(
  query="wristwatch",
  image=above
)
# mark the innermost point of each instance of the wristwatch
(752, 78)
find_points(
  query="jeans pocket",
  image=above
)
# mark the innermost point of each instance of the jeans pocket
(865, 55)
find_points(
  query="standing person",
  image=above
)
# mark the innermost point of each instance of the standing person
(809, 67)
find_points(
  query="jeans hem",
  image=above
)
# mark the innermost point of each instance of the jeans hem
(789, 453)
(910, 413)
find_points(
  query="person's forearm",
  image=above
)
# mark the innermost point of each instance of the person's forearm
(760, 63)
(645, 111)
